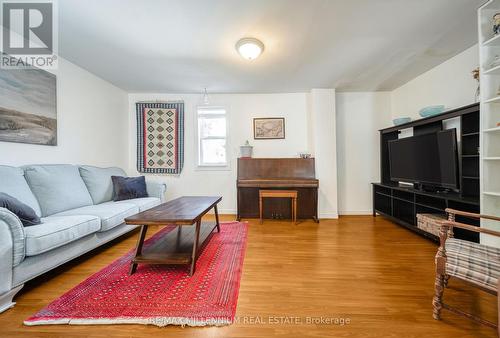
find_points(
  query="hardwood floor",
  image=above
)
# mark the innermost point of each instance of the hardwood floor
(367, 270)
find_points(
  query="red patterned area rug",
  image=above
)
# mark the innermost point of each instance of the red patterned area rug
(159, 294)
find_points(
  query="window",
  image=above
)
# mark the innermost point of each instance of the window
(212, 139)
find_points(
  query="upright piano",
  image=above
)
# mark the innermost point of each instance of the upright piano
(297, 174)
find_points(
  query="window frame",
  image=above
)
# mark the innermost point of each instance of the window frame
(199, 149)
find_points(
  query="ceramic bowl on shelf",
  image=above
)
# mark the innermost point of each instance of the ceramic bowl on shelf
(431, 110)
(401, 120)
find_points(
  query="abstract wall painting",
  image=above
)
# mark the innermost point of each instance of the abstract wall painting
(28, 106)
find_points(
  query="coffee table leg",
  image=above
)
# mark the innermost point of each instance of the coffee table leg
(194, 255)
(138, 249)
(217, 218)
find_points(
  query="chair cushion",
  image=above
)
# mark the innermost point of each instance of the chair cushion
(12, 182)
(144, 203)
(473, 262)
(98, 182)
(57, 187)
(111, 214)
(56, 231)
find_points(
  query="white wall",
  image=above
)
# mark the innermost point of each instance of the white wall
(314, 123)
(359, 117)
(91, 124)
(241, 109)
(322, 128)
(94, 128)
(450, 83)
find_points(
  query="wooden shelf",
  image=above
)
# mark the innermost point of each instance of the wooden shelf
(176, 246)
(491, 193)
(471, 134)
(430, 207)
(492, 130)
(164, 258)
(492, 71)
(494, 41)
(402, 199)
(381, 193)
(491, 5)
(490, 157)
(402, 203)
(493, 100)
(403, 211)
(471, 108)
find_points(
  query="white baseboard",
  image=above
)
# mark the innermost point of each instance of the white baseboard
(355, 212)
(328, 215)
(227, 211)
(321, 216)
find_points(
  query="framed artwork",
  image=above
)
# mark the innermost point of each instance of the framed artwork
(28, 106)
(269, 128)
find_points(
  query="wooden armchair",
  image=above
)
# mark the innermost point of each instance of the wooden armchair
(476, 264)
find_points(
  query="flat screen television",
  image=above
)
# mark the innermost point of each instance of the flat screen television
(429, 159)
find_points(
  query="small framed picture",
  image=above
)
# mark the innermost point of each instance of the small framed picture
(269, 128)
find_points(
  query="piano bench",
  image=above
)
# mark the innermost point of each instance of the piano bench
(279, 194)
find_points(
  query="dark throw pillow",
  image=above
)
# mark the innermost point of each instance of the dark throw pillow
(126, 188)
(25, 213)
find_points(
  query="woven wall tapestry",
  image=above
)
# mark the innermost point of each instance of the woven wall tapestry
(160, 137)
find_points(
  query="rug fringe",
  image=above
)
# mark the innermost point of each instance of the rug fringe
(157, 321)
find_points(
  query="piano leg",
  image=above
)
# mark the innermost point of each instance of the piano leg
(238, 218)
(295, 210)
(260, 208)
(315, 218)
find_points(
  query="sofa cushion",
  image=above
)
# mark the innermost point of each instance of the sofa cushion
(56, 231)
(12, 182)
(127, 188)
(57, 187)
(98, 182)
(25, 213)
(111, 213)
(144, 203)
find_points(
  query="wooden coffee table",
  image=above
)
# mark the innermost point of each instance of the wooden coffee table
(180, 246)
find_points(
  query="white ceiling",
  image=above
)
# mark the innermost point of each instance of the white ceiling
(186, 45)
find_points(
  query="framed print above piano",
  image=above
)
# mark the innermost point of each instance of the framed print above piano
(269, 128)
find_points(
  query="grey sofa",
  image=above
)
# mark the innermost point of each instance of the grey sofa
(78, 214)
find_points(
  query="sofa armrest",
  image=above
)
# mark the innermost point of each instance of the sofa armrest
(16, 239)
(156, 189)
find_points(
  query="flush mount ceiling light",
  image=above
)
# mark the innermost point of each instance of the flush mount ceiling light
(250, 48)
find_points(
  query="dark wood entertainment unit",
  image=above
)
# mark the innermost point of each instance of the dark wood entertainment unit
(401, 204)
